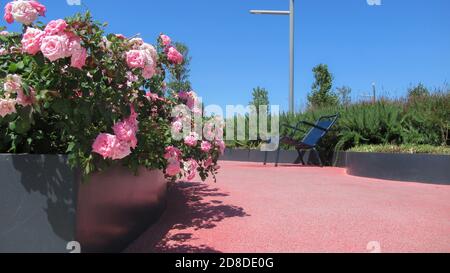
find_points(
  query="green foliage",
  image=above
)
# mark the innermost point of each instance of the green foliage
(418, 91)
(321, 94)
(404, 149)
(344, 93)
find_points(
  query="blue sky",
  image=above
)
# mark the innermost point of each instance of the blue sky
(399, 43)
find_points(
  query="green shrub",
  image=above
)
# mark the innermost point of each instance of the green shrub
(404, 149)
(417, 120)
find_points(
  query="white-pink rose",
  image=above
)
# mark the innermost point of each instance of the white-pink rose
(24, 12)
(136, 43)
(32, 40)
(7, 107)
(13, 84)
(55, 47)
(151, 50)
(56, 27)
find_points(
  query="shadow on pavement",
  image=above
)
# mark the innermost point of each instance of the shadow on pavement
(191, 206)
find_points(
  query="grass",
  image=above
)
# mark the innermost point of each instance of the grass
(406, 149)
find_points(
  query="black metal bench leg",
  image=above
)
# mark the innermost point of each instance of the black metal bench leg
(265, 158)
(300, 158)
(278, 157)
(318, 156)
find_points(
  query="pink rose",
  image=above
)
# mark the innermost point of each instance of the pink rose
(174, 56)
(121, 150)
(136, 59)
(221, 145)
(126, 131)
(7, 107)
(55, 47)
(55, 27)
(173, 168)
(191, 139)
(8, 15)
(190, 98)
(166, 41)
(206, 146)
(4, 33)
(103, 144)
(121, 36)
(152, 96)
(109, 146)
(208, 162)
(131, 77)
(32, 40)
(79, 58)
(25, 100)
(24, 12)
(148, 72)
(172, 153)
(190, 167)
(41, 9)
(3, 51)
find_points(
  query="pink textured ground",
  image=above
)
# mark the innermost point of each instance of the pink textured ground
(254, 208)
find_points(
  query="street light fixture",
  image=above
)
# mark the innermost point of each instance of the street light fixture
(291, 14)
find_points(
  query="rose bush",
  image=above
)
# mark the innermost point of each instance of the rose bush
(67, 87)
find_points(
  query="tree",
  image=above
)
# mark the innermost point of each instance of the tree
(260, 97)
(181, 82)
(344, 95)
(321, 94)
(418, 91)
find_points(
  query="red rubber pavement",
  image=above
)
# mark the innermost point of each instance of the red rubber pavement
(253, 208)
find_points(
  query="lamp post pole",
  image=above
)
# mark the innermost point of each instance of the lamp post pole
(291, 14)
(291, 62)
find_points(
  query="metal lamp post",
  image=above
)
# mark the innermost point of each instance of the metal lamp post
(291, 14)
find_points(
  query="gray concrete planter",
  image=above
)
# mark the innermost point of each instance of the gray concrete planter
(422, 168)
(43, 206)
(254, 155)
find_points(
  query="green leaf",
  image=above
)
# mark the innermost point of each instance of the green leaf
(12, 68)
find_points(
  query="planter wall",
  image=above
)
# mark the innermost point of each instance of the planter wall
(251, 155)
(115, 207)
(43, 206)
(400, 167)
(37, 204)
(422, 168)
